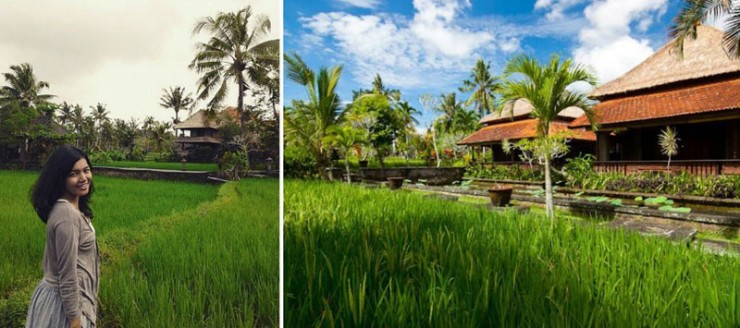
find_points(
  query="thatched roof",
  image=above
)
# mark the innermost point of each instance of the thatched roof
(521, 129)
(703, 57)
(522, 108)
(200, 119)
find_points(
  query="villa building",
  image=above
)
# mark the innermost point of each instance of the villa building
(515, 123)
(698, 95)
(200, 131)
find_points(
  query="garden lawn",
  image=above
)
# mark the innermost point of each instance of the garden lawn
(154, 235)
(371, 257)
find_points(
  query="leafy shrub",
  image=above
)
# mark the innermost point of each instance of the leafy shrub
(507, 172)
(298, 163)
(722, 187)
(234, 165)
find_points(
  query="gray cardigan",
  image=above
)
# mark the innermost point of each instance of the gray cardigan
(71, 260)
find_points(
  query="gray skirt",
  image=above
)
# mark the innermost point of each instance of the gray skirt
(45, 310)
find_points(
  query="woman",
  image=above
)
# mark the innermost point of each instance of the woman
(67, 296)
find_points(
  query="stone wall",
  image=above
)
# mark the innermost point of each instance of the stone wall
(432, 175)
(152, 174)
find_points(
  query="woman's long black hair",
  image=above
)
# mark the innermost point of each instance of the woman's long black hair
(52, 181)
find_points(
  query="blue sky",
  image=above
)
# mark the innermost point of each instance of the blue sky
(430, 46)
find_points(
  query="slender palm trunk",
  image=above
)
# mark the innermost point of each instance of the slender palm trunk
(240, 101)
(549, 209)
(434, 142)
(346, 166)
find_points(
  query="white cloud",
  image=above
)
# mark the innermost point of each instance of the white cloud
(368, 4)
(118, 52)
(607, 44)
(429, 49)
(556, 8)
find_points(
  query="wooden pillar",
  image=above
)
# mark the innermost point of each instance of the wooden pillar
(734, 140)
(638, 144)
(602, 146)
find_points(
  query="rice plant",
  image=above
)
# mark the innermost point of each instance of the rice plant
(173, 253)
(361, 257)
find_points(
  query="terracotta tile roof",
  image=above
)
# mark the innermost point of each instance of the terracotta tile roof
(519, 130)
(710, 97)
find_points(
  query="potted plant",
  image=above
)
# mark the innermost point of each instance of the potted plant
(395, 182)
(500, 194)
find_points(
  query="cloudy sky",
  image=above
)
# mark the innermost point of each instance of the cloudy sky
(121, 53)
(430, 46)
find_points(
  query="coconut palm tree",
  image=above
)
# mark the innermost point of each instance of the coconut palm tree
(176, 99)
(345, 138)
(466, 121)
(406, 114)
(546, 88)
(231, 54)
(695, 12)
(100, 116)
(483, 84)
(308, 122)
(448, 106)
(23, 87)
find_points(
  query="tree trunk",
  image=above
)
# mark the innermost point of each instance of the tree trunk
(240, 100)
(346, 166)
(549, 210)
(434, 142)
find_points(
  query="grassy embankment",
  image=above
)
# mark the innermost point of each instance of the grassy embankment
(208, 167)
(173, 253)
(380, 258)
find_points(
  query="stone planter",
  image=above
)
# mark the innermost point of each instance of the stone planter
(500, 195)
(395, 182)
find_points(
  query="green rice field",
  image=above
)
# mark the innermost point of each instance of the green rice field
(371, 257)
(174, 254)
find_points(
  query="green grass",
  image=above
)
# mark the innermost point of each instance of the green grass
(371, 257)
(157, 238)
(209, 167)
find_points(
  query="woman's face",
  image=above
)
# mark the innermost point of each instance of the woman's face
(78, 181)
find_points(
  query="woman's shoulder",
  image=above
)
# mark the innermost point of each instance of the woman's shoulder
(63, 212)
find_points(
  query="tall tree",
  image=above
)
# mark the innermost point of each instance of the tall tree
(235, 46)
(545, 87)
(177, 100)
(695, 12)
(483, 85)
(308, 122)
(448, 107)
(23, 87)
(100, 117)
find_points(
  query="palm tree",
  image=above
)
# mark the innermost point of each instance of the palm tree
(545, 87)
(161, 135)
(232, 51)
(309, 121)
(100, 116)
(449, 106)
(465, 121)
(65, 114)
(483, 84)
(345, 138)
(695, 12)
(176, 99)
(406, 114)
(23, 87)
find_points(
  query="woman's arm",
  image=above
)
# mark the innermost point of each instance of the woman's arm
(66, 237)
